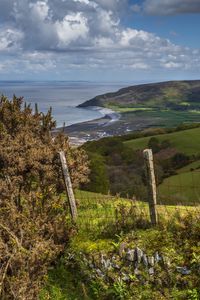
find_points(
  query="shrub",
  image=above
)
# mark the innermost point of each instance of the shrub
(32, 215)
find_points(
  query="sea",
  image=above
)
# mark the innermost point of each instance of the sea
(62, 96)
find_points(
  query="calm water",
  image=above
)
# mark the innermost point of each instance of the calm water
(62, 96)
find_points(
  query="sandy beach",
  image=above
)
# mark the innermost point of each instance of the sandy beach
(91, 130)
(111, 124)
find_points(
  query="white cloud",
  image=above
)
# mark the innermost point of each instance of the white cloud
(172, 65)
(82, 1)
(71, 28)
(10, 39)
(53, 34)
(39, 10)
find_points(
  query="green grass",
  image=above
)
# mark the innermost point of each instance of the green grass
(192, 166)
(169, 118)
(65, 283)
(96, 234)
(181, 188)
(187, 141)
(124, 109)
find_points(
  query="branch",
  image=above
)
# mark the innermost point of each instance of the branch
(12, 235)
(4, 273)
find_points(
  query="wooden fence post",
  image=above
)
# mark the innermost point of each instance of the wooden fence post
(152, 193)
(68, 186)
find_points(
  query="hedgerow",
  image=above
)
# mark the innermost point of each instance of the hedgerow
(33, 228)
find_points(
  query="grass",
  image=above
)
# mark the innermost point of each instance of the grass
(124, 109)
(65, 283)
(183, 187)
(190, 167)
(187, 141)
(168, 118)
(101, 231)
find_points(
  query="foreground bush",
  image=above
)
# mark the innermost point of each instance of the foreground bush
(32, 214)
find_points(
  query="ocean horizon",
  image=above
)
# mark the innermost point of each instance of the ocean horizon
(62, 96)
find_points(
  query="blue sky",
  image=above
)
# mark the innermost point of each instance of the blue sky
(99, 40)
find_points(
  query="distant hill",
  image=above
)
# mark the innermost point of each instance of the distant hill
(180, 95)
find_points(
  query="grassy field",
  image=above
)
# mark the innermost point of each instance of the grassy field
(99, 212)
(158, 118)
(124, 109)
(187, 141)
(181, 188)
(184, 187)
(101, 230)
(191, 167)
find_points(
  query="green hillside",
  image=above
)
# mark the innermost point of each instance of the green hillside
(187, 141)
(181, 95)
(181, 188)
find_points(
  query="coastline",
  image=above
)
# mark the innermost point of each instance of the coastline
(80, 133)
(111, 124)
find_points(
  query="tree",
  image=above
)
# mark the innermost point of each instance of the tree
(154, 144)
(98, 178)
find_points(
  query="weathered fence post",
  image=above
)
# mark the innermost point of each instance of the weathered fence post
(152, 193)
(68, 186)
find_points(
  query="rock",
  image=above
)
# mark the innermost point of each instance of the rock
(157, 257)
(106, 263)
(151, 271)
(166, 261)
(136, 271)
(100, 273)
(115, 266)
(138, 255)
(125, 277)
(151, 261)
(183, 270)
(130, 255)
(145, 260)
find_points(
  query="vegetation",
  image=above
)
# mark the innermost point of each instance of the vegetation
(123, 169)
(186, 141)
(32, 226)
(173, 95)
(96, 264)
(122, 161)
(113, 252)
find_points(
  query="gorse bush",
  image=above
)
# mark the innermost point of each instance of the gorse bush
(32, 213)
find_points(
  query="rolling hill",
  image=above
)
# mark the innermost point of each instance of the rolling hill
(187, 141)
(181, 95)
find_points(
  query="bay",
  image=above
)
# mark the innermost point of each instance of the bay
(62, 96)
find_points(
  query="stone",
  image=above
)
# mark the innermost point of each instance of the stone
(130, 255)
(100, 273)
(157, 257)
(183, 270)
(115, 266)
(166, 261)
(151, 261)
(136, 271)
(106, 263)
(138, 255)
(125, 277)
(145, 260)
(151, 271)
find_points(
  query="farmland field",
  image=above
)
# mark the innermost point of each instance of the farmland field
(182, 188)
(187, 141)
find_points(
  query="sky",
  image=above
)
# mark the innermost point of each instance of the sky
(100, 40)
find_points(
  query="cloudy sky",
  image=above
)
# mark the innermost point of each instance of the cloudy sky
(100, 40)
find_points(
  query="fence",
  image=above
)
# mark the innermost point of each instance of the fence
(108, 213)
